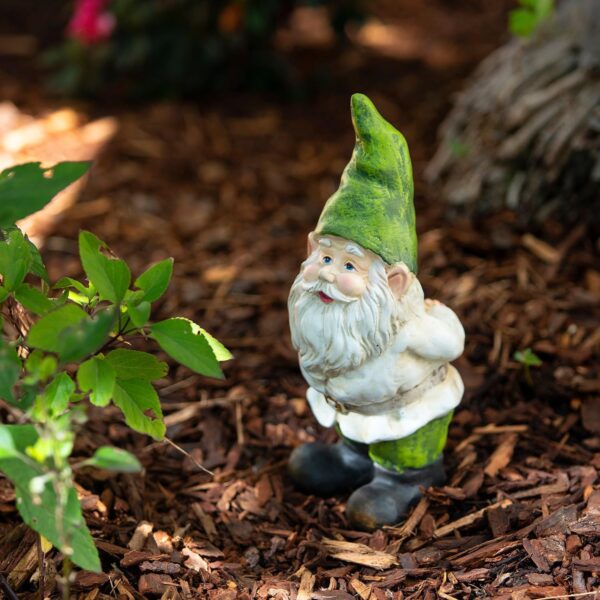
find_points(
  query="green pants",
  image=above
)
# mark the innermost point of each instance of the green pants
(417, 450)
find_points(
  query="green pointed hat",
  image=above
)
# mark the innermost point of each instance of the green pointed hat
(374, 204)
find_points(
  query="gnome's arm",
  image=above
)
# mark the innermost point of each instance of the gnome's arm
(436, 334)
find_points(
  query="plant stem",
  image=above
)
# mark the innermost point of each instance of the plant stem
(42, 561)
(66, 591)
(8, 591)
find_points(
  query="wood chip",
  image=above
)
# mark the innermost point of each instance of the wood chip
(589, 564)
(541, 249)
(307, 584)
(472, 575)
(152, 584)
(206, 521)
(363, 590)
(469, 519)
(135, 557)
(558, 522)
(413, 520)
(140, 535)
(160, 566)
(194, 561)
(502, 455)
(87, 579)
(359, 554)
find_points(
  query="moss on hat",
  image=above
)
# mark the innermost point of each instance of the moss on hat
(374, 204)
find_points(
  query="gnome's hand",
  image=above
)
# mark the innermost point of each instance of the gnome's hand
(437, 334)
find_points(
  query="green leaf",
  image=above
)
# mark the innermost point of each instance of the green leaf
(7, 445)
(10, 367)
(97, 376)
(15, 258)
(133, 364)
(134, 297)
(139, 402)
(155, 281)
(522, 22)
(27, 399)
(27, 188)
(3, 293)
(114, 459)
(46, 447)
(70, 332)
(110, 276)
(87, 336)
(67, 282)
(59, 392)
(140, 313)
(39, 510)
(32, 299)
(525, 20)
(45, 333)
(40, 366)
(37, 266)
(221, 353)
(178, 339)
(528, 357)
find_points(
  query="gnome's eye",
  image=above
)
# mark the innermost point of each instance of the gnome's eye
(349, 267)
(327, 260)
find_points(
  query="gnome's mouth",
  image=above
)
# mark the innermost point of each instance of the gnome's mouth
(325, 298)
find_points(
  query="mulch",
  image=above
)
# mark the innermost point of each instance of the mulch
(230, 189)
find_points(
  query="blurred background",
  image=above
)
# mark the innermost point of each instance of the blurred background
(219, 128)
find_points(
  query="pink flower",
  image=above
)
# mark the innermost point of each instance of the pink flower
(90, 23)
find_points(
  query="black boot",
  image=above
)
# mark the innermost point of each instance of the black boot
(387, 499)
(328, 470)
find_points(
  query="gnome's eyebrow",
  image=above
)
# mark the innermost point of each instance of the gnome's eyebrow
(352, 249)
(325, 242)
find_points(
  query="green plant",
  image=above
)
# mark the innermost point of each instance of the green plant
(178, 47)
(76, 351)
(528, 359)
(458, 148)
(525, 20)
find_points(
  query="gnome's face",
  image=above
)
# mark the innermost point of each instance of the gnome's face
(345, 305)
(340, 263)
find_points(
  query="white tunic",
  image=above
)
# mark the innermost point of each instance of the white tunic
(427, 342)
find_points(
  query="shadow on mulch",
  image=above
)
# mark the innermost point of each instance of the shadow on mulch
(230, 192)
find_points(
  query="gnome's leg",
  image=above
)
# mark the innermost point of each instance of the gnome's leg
(327, 470)
(401, 467)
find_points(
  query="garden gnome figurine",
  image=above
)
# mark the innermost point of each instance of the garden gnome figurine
(373, 350)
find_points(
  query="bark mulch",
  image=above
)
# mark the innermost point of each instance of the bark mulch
(230, 191)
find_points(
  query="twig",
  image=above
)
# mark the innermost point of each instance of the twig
(239, 425)
(186, 453)
(492, 428)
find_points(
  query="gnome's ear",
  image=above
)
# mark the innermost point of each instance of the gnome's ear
(311, 243)
(399, 278)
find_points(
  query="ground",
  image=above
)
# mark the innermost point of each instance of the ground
(230, 188)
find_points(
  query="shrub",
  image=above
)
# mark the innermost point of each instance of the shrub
(66, 344)
(144, 48)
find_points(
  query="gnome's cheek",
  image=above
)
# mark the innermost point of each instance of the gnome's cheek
(351, 285)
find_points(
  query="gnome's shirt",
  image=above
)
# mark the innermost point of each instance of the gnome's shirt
(410, 379)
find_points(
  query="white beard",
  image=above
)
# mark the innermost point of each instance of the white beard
(336, 337)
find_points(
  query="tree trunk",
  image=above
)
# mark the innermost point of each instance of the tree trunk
(525, 134)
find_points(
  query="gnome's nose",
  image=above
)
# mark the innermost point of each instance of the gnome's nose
(327, 275)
